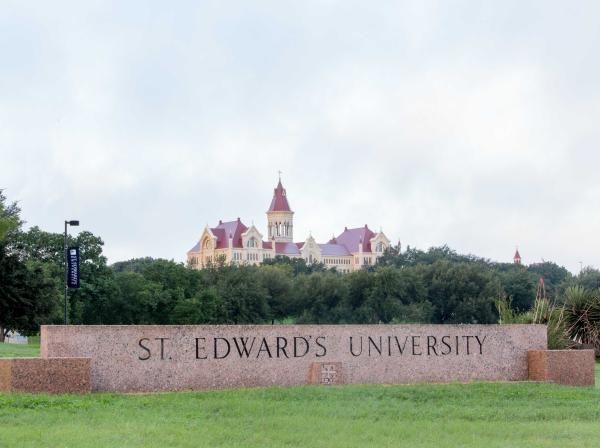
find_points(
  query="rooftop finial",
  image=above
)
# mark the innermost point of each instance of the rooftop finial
(279, 172)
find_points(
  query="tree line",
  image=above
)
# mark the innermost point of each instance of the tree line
(415, 286)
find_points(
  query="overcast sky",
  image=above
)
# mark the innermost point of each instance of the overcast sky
(473, 124)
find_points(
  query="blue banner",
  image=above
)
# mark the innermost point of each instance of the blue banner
(73, 267)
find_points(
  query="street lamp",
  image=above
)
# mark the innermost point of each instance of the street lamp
(72, 223)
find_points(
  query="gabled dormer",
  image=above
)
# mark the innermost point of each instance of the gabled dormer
(311, 252)
(252, 238)
(379, 243)
(208, 240)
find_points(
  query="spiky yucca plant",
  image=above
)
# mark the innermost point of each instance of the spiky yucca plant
(581, 314)
(543, 312)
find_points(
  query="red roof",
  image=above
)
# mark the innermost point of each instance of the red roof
(352, 237)
(517, 255)
(279, 203)
(224, 229)
(267, 245)
(286, 249)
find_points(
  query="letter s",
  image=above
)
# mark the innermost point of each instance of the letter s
(319, 355)
(145, 348)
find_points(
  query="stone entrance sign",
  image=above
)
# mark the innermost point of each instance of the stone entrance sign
(142, 358)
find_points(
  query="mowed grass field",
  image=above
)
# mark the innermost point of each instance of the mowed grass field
(31, 350)
(451, 415)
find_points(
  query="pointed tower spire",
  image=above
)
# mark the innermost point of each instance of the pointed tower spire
(280, 217)
(517, 257)
(279, 203)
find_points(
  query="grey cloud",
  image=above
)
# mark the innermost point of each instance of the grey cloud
(472, 124)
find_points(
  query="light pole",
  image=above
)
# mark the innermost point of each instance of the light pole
(72, 223)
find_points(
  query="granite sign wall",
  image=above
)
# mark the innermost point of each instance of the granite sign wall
(154, 358)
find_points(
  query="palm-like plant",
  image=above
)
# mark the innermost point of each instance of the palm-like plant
(581, 314)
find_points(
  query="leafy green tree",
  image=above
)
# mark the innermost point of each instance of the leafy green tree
(25, 296)
(10, 220)
(588, 278)
(45, 249)
(298, 265)
(388, 295)
(554, 276)
(322, 298)
(359, 285)
(383, 299)
(244, 297)
(204, 308)
(277, 282)
(413, 257)
(412, 294)
(96, 278)
(133, 265)
(141, 301)
(462, 292)
(128, 306)
(520, 286)
(41, 246)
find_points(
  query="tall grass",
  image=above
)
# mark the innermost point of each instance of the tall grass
(576, 321)
(542, 312)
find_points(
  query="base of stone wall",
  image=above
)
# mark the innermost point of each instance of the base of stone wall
(50, 375)
(569, 367)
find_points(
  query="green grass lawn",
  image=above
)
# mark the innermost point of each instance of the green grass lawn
(20, 350)
(452, 415)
